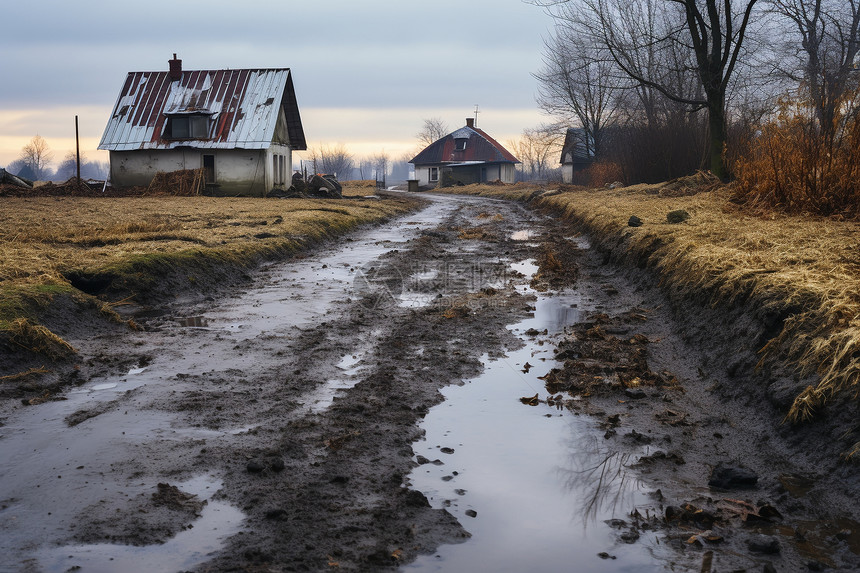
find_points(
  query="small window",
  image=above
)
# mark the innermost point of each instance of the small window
(434, 174)
(199, 126)
(460, 144)
(179, 128)
(187, 127)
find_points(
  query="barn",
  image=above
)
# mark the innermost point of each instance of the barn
(239, 126)
(468, 155)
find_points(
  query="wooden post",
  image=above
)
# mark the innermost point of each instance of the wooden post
(78, 151)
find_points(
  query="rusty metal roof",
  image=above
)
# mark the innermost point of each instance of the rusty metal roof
(480, 148)
(243, 107)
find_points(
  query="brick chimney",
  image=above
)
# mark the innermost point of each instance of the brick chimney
(470, 121)
(175, 72)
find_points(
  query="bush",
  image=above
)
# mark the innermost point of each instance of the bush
(796, 166)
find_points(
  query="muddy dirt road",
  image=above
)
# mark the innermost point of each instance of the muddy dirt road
(298, 424)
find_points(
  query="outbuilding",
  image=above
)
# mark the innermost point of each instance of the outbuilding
(468, 155)
(577, 153)
(239, 126)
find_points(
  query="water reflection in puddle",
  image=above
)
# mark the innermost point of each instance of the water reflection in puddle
(533, 485)
(217, 521)
(193, 321)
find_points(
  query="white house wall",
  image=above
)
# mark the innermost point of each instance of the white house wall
(237, 171)
(422, 174)
(567, 173)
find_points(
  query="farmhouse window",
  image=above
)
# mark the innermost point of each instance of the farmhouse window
(434, 174)
(279, 175)
(188, 127)
(460, 144)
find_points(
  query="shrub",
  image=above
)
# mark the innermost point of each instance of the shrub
(795, 166)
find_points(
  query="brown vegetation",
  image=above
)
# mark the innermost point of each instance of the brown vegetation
(797, 167)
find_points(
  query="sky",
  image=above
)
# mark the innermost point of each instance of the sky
(367, 73)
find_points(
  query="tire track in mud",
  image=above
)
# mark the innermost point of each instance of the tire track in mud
(318, 487)
(318, 469)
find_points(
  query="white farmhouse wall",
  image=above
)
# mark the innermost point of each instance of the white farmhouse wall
(237, 171)
(422, 174)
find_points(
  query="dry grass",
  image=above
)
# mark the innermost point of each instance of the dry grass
(802, 268)
(44, 239)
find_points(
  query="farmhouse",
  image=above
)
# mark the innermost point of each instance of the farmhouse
(576, 153)
(239, 126)
(466, 156)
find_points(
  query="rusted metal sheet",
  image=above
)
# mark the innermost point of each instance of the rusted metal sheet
(242, 107)
(479, 148)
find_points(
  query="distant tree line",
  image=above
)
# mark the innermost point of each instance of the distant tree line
(665, 87)
(34, 163)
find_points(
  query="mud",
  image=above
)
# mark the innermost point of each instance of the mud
(278, 422)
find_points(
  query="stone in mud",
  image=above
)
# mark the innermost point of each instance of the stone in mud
(635, 393)
(447, 450)
(276, 514)
(277, 464)
(763, 544)
(421, 460)
(678, 216)
(634, 221)
(631, 536)
(255, 466)
(471, 513)
(413, 498)
(726, 476)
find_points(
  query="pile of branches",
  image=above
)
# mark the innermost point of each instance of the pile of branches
(185, 182)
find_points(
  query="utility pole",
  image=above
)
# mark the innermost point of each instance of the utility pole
(78, 151)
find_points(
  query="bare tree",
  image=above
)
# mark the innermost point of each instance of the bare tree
(37, 156)
(577, 85)
(68, 167)
(538, 149)
(826, 42)
(434, 129)
(334, 160)
(700, 36)
(380, 163)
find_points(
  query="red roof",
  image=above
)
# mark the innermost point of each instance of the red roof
(479, 147)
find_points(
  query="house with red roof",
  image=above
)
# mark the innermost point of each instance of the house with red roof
(239, 127)
(468, 155)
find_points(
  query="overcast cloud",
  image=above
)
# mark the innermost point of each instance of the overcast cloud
(366, 73)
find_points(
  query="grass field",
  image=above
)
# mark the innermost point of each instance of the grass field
(804, 269)
(137, 241)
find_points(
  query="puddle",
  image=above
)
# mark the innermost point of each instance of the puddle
(319, 399)
(301, 291)
(193, 322)
(818, 540)
(189, 548)
(533, 485)
(528, 267)
(523, 235)
(105, 386)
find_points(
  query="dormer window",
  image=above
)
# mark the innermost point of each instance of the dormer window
(460, 144)
(187, 126)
